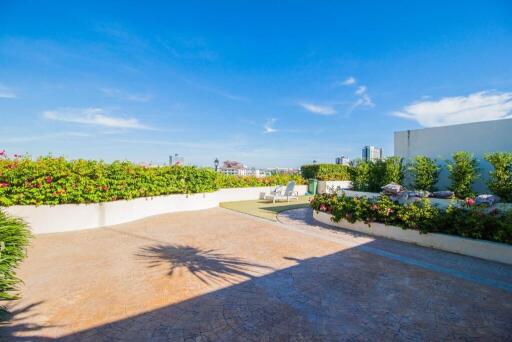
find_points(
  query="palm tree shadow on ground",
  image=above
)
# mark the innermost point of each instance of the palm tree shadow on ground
(209, 266)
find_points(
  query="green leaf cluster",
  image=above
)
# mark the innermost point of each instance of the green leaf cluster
(475, 222)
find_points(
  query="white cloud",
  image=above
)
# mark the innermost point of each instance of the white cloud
(349, 81)
(480, 106)
(361, 90)
(6, 93)
(318, 109)
(268, 127)
(92, 116)
(119, 94)
(364, 100)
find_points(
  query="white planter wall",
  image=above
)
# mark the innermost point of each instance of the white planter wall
(69, 217)
(326, 186)
(477, 248)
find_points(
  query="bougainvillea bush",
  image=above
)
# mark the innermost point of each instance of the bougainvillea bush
(470, 221)
(14, 237)
(50, 180)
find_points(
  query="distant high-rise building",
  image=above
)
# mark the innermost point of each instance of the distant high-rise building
(342, 160)
(371, 153)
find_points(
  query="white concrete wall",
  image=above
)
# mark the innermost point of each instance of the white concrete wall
(477, 248)
(327, 186)
(441, 142)
(69, 217)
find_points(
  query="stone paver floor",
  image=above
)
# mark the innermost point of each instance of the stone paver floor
(218, 275)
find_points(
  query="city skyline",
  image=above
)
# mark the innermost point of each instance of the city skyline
(276, 85)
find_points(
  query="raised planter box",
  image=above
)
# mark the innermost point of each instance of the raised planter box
(70, 217)
(488, 250)
(328, 186)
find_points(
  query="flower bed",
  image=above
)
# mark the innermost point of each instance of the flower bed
(51, 180)
(470, 221)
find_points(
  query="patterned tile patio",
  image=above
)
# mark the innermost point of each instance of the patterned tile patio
(217, 275)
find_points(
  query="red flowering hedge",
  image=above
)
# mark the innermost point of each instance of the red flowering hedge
(50, 180)
(470, 221)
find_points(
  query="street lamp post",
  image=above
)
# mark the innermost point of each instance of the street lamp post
(216, 163)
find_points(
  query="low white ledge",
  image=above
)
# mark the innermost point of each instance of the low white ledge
(69, 217)
(488, 250)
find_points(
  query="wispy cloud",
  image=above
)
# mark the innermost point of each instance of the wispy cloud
(6, 93)
(268, 127)
(349, 81)
(363, 98)
(122, 95)
(45, 137)
(93, 116)
(217, 91)
(480, 106)
(318, 109)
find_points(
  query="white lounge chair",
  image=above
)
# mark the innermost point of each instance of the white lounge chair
(281, 193)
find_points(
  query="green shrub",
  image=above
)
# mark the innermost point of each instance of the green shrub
(382, 172)
(500, 181)
(425, 172)
(14, 237)
(326, 172)
(360, 176)
(469, 221)
(229, 181)
(463, 171)
(50, 180)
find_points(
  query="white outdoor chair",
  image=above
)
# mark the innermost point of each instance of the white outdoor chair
(281, 193)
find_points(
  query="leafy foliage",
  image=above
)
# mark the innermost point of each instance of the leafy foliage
(14, 237)
(500, 182)
(425, 172)
(469, 221)
(360, 176)
(326, 172)
(463, 171)
(50, 180)
(229, 181)
(371, 176)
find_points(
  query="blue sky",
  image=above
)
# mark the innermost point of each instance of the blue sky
(268, 83)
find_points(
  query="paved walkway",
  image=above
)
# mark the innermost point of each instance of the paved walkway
(217, 275)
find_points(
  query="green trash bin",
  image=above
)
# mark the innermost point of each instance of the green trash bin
(312, 185)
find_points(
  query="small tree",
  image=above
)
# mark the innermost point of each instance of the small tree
(394, 170)
(425, 172)
(463, 171)
(500, 182)
(360, 175)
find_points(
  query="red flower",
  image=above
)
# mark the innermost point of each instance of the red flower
(4, 185)
(470, 202)
(322, 207)
(2, 152)
(49, 179)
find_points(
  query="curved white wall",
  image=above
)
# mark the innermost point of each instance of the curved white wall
(69, 217)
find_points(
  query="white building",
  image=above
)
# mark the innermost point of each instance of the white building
(342, 160)
(371, 153)
(441, 142)
(231, 167)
